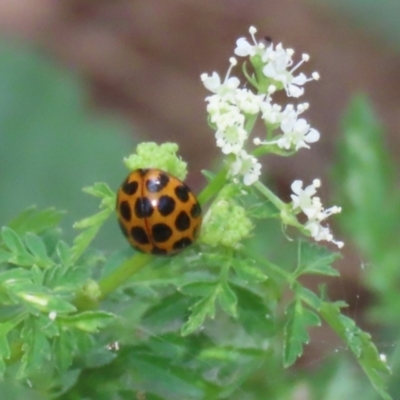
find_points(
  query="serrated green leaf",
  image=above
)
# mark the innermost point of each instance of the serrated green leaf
(43, 300)
(64, 253)
(361, 345)
(198, 289)
(14, 276)
(200, 310)
(38, 249)
(247, 272)
(309, 297)
(35, 221)
(63, 350)
(314, 259)
(172, 382)
(298, 320)
(165, 316)
(227, 299)
(5, 329)
(102, 190)
(91, 225)
(36, 348)
(88, 321)
(13, 242)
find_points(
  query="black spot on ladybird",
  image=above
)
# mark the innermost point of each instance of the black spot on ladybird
(130, 188)
(195, 210)
(182, 221)
(156, 184)
(125, 210)
(182, 193)
(139, 235)
(161, 232)
(143, 207)
(166, 205)
(182, 243)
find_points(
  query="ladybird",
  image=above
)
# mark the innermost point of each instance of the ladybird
(157, 212)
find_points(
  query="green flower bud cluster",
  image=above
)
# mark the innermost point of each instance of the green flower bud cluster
(225, 223)
(152, 155)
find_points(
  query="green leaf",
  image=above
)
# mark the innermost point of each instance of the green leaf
(35, 221)
(360, 344)
(198, 289)
(203, 308)
(36, 348)
(314, 259)
(91, 225)
(102, 190)
(165, 316)
(42, 299)
(365, 178)
(38, 249)
(172, 382)
(14, 276)
(5, 329)
(247, 272)
(227, 299)
(88, 321)
(13, 242)
(64, 253)
(298, 320)
(63, 350)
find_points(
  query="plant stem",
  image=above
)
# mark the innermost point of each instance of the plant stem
(276, 201)
(213, 187)
(123, 273)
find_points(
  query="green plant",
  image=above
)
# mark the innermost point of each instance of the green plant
(77, 323)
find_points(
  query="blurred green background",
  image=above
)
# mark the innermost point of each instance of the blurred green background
(82, 83)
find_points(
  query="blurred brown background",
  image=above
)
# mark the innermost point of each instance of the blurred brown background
(142, 59)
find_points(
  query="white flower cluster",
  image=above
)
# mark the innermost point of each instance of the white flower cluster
(305, 201)
(230, 106)
(227, 109)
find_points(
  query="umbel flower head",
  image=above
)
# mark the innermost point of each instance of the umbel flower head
(233, 108)
(304, 200)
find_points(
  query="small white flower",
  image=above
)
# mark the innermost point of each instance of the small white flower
(231, 139)
(245, 49)
(271, 113)
(224, 114)
(247, 166)
(248, 102)
(224, 89)
(277, 64)
(305, 201)
(297, 133)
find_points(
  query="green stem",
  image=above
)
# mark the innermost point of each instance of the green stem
(213, 187)
(123, 273)
(275, 200)
(251, 121)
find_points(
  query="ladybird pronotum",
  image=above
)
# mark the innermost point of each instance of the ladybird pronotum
(157, 212)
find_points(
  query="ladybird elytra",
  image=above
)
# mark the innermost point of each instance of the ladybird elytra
(157, 212)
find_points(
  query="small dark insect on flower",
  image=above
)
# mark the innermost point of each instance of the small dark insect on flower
(268, 39)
